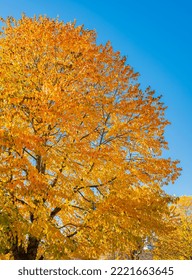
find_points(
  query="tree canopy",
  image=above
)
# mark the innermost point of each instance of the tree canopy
(81, 165)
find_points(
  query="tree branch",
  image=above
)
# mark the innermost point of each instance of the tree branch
(55, 211)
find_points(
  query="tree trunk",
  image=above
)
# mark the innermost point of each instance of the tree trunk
(19, 252)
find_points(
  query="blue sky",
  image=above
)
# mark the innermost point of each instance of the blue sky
(156, 36)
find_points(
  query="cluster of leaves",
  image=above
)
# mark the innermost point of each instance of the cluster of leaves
(81, 166)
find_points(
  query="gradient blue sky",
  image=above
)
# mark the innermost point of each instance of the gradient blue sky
(156, 36)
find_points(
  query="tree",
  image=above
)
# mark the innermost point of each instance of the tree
(78, 137)
(177, 245)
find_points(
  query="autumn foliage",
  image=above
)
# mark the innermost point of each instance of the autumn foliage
(81, 170)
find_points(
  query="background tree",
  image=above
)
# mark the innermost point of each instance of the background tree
(177, 245)
(76, 134)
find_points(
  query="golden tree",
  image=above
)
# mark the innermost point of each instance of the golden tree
(78, 138)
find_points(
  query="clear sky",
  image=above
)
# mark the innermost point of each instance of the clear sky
(156, 36)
